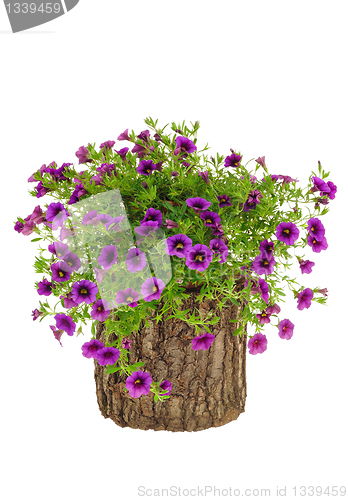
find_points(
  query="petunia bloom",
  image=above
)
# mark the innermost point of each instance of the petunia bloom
(257, 344)
(203, 341)
(316, 228)
(124, 136)
(146, 167)
(317, 246)
(205, 176)
(83, 155)
(57, 214)
(287, 232)
(306, 266)
(184, 146)
(319, 185)
(90, 349)
(73, 261)
(224, 201)
(152, 288)
(123, 153)
(274, 309)
(171, 224)
(19, 227)
(198, 203)
(266, 249)
(146, 228)
(128, 296)
(178, 245)
(107, 355)
(263, 317)
(57, 333)
(138, 384)
(199, 257)
(165, 388)
(65, 323)
(68, 301)
(262, 265)
(45, 287)
(152, 215)
(60, 271)
(135, 260)
(285, 329)
(84, 291)
(210, 218)
(254, 198)
(108, 256)
(232, 160)
(304, 299)
(218, 246)
(100, 310)
(261, 161)
(333, 190)
(107, 144)
(36, 314)
(126, 343)
(59, 249)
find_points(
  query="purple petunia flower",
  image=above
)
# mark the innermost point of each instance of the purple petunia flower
(28, 228)
(37, 216)
(91, 218)
(218, 246)
(184, 146)
(171, 224)
(152, 215)
(18, 227)
(146, 167)
(135, 260)
(123, 153)
(199, 257)
(286, 179)
(323, 291)
(126, 343)
(57, 214)
(286, 329)
(57, 333)
(257, 344)
(266, 249)
(108, 256)
(261, 161)
(210, 218)
(174, 173)
(59, 249)
(203, 341)
(36, 313)
(165, 388)
(128, 296)
(333, 190)
(287, 232)
(262, 265)
(60, 272)
(138, 384)
(263, 317)
(90, 349)
(45, 287)
(275, 309)
(304, 299)
(73, 261)
(145, 184)
(146, 228)
(124, 136)
(306, 266)
(65, 323)
(232, 160)
(254, 198)
(198, 203)
(84, 291)
(319, 185)
(107, 144)
(217, 229)
(317, 246)
(41, 190)
(259, 286)
(224, 201)
(178, 245)
(83, 155)
(114, 223)
(68, 301)
(107, 355)
(205, 176)
(152, 288)
(316, 228)
(100, 310)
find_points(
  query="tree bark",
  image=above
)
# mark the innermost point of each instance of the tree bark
(208, 387)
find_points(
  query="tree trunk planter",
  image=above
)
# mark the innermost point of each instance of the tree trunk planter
(208, 387)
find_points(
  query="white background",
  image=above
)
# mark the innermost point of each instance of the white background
(265, 78)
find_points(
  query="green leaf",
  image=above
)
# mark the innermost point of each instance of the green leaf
(168, 205)
(112, 369)
(36, 239)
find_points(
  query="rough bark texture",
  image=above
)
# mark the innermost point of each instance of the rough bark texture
(209, 387)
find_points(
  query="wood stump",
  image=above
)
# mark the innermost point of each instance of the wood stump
(208, 387)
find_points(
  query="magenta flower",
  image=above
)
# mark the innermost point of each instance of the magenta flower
(257, 344)
(254, 198)
(90, 349)
(317, 246)
(83, 155)
(59, 249)
(205, 176)
(145, 184)
(37, 216)
(232, 160)
(57, 333)
(316, 228)
(60, 272)
(210, 218)
(198, 203)
(320, 185)
(19, 226)
(263, 317)
(152, 288)
(304, 299)
(259, 286)
(45, 287)
(165, 388)
(286, 179)
(68, 301)
(262, 265)
(123, 153)
(287, 232)
(28, 228)
(108, 256)
(65, 323)
(57, 214)
(171, 224)
(73, 261)
(306, 266)
(199, 257)
(36, 313)
(274, 309)
(135, 260)
(41, 190)
(107, 144)
(107, 355)
(184, 146)
(261, 161)
(224, 201)
(146, 167)
(178, 245)
(114, 223)
(91, 218)
(126, 343)
(138, 384)
(218, 246)
(146, 228)
(266, 249)
(217, 229)
(286, 329)
(84, 291)
(128, 296)
(99, 274)
(333, 190)
(100, 310)
(203, 341)
(124, 136)
(153, 216)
